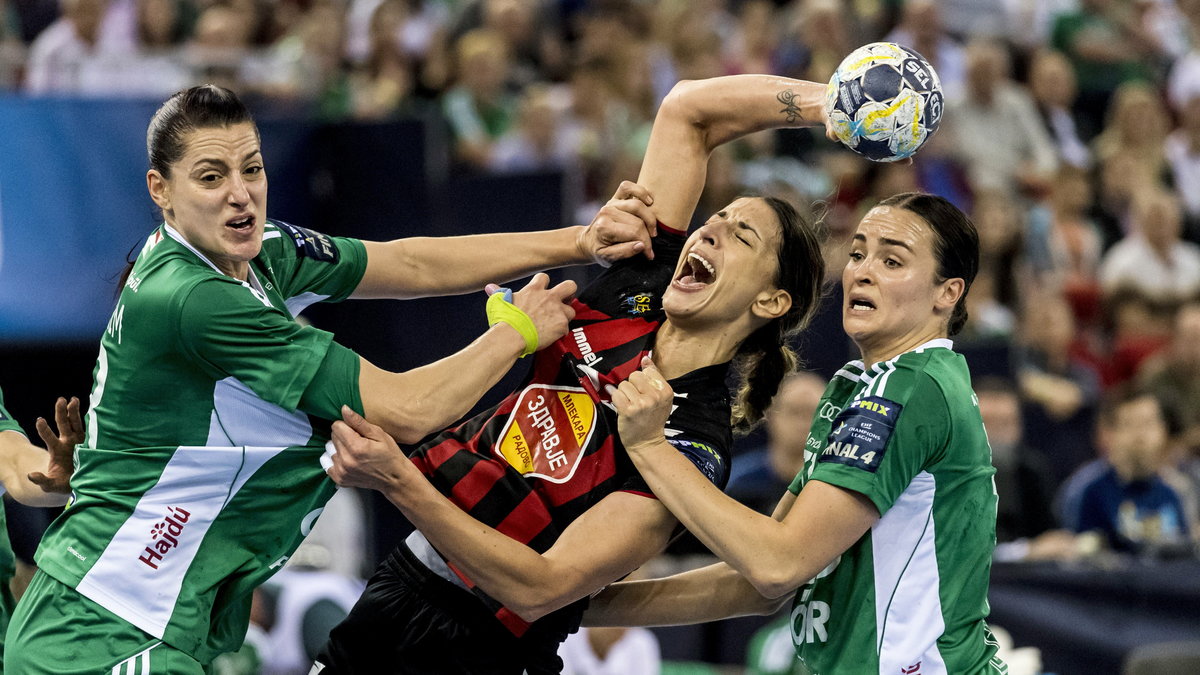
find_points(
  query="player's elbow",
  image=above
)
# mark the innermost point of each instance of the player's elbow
(683, 106)
(535, 605)
(772, 581)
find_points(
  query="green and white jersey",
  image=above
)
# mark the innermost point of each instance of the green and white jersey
(910, 597)
(200, 472)
(8, 565)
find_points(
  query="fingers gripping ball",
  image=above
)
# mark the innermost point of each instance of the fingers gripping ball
(884, 101)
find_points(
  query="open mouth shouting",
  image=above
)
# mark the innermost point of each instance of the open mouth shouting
(241, 223)
(696, 273)
(856, 303)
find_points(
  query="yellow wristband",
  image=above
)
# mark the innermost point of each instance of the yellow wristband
(500, 309)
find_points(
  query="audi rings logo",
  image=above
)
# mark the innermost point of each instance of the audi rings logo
(829, 411)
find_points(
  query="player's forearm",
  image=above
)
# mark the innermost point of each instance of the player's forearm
(432, 266)
(19, 458)
(707, 594)
(506, 569)
(728, 107)
(756, 546)
(415, 403)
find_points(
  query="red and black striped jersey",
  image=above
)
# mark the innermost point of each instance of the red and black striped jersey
(548, 452)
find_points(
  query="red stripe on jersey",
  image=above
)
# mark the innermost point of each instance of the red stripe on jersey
(474, 486)
(512, 622)
(671, 230)
(526, 519)
(584, 312)
(595, 468)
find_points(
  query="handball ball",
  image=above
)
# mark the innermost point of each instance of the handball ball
(884, 101)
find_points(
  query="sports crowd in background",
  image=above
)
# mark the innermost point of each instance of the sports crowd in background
(1071, 135)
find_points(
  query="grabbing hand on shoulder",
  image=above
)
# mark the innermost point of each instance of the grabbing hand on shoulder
(622, 228)
(364, 455)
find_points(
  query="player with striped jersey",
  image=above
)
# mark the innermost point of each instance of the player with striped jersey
(884, 539)
(211, 404)
(526, 510)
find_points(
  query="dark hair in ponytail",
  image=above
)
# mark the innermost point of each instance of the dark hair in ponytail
(956, 244)
(765, 358)
(202, 107)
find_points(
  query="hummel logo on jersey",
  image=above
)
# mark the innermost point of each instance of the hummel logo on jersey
(585, 348)
(165, 535)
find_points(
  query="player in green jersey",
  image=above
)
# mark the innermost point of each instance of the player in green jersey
(200, 471)
(884, 539)
(33, 477)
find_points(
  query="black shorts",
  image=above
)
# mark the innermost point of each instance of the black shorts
(411, 621)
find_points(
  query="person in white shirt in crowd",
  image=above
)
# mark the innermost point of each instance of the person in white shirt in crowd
(994, 129)
(1153, 259)
(611, 651)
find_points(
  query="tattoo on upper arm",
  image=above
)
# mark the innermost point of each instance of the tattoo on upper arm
(788, 98)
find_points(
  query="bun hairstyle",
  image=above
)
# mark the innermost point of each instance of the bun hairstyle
(956, 244)
(202, 107)
(765, 357)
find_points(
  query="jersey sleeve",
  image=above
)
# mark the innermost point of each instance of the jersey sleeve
(634, 286)
(229, 331)
(7, 423)
(312, 266)
(878, 445)
(702, 435)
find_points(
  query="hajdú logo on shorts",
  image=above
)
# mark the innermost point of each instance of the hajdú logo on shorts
(547, 432)
(165, 535)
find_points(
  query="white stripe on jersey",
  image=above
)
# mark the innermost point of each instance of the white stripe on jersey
(908, 617)
(97, 394)
(240, 417)
(299, 303)
(202, 480)
(131, 664)
(271, 233)
(883, 379)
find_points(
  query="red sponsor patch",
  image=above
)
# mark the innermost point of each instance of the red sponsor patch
(547, 432)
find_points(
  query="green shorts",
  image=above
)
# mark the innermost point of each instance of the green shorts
(57, 631)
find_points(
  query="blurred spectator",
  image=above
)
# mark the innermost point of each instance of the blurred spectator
(1137, 127)
(530, 30)
(752, 47)
(478, 108)
(995, 291)
(1064, 245)
(1183, 155)
(817, 41)
(1052, 83)
(56, 56)
(12, 46)
(921, 28)
(382, 85)
(1174, 374)
(1119, 179)
(536, 142)
(760, 477)
(1153, 259)
(1107, 45)
(611, 651)
(1059, 387)
(1128, 502)
(994, 129)
(1021, 473)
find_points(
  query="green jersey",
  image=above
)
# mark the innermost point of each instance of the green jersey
(8, 566)
(200, 471)
(911, 595)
